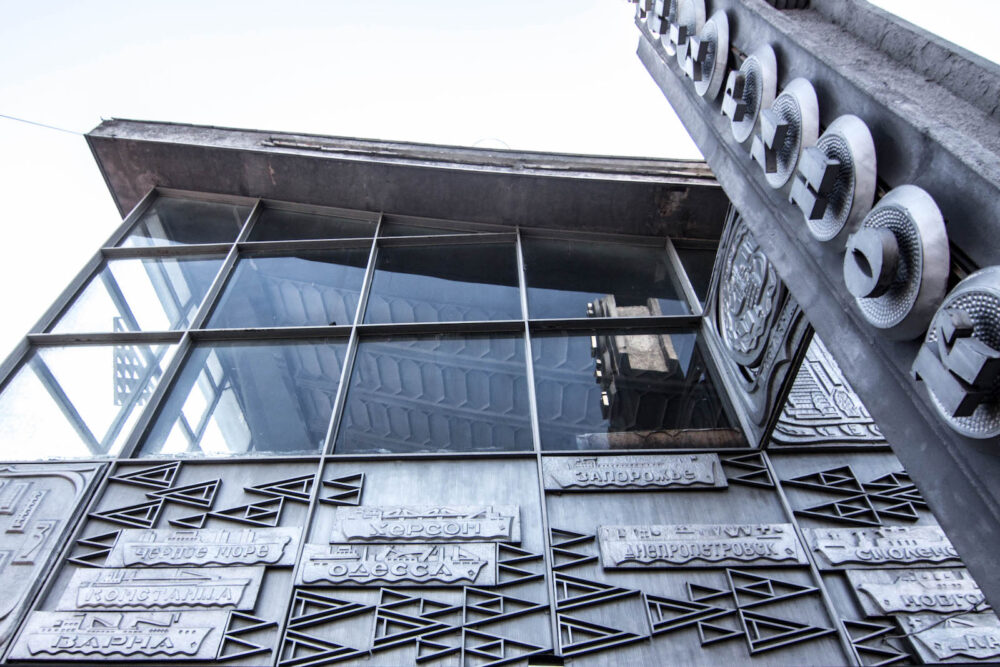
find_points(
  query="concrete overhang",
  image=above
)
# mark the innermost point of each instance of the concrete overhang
(679, 198)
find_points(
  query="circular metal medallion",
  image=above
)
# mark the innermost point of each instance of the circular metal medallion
(978, 296)
(922, 261)
(690, 20)
(711, 70)
(760, 79)
(849, 141)
(798, 108)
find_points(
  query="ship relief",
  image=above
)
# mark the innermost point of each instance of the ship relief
(255, 546)
(889, 545)
(650, 472)
(56, 635)
(432, 523)
(158, 588)
(938, 590)
(947, 638)
(373, 564)
(699, 545)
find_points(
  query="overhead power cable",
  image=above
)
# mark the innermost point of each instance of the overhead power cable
(49, 127)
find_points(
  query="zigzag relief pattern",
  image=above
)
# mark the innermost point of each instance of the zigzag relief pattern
(733, 613)
(202, 495)
(433, 629)
(871, 643)
(886, 499)
(570, 549)
(747, 469)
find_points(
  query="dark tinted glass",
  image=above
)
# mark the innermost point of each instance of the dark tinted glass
(698, 263)
(250, 398)
(151, 294)
(306, 289)
(445, 284)
(174, 221)
(437, 394)
(391, 228)
(578, 279)
(279, 225)
(77, 401)
(625, 391)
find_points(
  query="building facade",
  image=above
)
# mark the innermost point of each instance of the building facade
(334, 401)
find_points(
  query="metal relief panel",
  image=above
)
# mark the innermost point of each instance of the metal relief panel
(699, 545)
(178, 561)
(822, 408)
(382, 523)
(424, 561)
(958, 639)
(944, 590)
(38, 506)
(759, 328)
(599, 473)
(695, 600)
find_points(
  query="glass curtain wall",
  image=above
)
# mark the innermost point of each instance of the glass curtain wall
(212, 327)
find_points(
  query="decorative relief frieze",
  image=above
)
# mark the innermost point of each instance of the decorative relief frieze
(699, 545)
(964, 638)
(941, 590)
(38, 503)
(651, 472)
(427, 523)
(259, 546)
(125, 636)
(159, 588)
(889, 545)
(368, 564)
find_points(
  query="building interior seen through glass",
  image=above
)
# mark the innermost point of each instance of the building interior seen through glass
(215, 326)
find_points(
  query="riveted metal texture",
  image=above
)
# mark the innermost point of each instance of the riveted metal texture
(789, 126)
(708, 56)
(904, 310)
(750, 90)
(847, 190)
(978, 297)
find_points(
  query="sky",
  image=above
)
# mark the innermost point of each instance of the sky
(545, 75)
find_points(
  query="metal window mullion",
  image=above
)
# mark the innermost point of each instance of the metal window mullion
(537, 439)
(157, 398)
(352, 347)
(103, 338)
(681, 279)
(180, 251)
(225, 271)
(130, 219)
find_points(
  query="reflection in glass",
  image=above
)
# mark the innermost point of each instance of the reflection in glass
(174, 221)
(250, 398)
(698, 263)
(306, 289)
(444, 284)
(151, 294)
(280, 225)
(579, 279)
(77, 401)
(626, 391)
(437, 394)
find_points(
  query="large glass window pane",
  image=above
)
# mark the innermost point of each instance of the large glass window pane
(175, 221)
(445, 283)
(281, 225)
(624, 390)
(580, 279)
(150, 294)
(437, 394)
(318, 288)
(250, 398)
(698, 263)
(77, 401)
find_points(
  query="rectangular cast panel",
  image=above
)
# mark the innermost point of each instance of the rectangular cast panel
(178, 561)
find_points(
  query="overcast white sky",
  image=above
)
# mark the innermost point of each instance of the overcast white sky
(537, 74)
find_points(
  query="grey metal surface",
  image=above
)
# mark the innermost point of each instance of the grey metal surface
(924, 134)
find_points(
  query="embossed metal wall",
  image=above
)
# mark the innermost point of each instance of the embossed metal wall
(473, 491)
